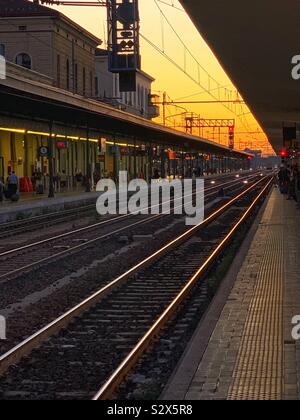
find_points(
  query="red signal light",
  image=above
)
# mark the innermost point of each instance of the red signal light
(284, 153)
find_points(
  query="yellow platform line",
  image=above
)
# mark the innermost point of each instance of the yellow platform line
(259, 371)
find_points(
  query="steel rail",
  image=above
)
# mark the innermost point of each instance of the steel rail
(91, 241)
(110, 387)
(14, 355)
(18, 225)
(112, 220)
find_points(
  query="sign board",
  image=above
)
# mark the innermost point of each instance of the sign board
(124, 151)
(113, 150)
(62, 144)
(101, 158)
(43, 151)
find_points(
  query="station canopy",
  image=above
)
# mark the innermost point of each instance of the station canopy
(255, 41)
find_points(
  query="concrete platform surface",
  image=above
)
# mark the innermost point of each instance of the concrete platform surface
(32, 205)
(243, 349)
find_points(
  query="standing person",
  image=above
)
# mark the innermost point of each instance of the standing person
(297, 180)
(283, 177)
(63, 180)
(292, 184)
(156, 174)
(13, 184)
(79, 178)
(96, 177)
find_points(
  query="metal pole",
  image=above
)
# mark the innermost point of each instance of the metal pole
(25, 163)
(88, 168)
(134, 158)
(163, 162)
(50, 158)
(150, 162)
(164, 108)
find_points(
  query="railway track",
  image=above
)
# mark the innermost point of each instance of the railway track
(87, 352)
(27, 257)
(45, 220)
(41, 222)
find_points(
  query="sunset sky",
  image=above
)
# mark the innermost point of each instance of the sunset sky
(170, 79)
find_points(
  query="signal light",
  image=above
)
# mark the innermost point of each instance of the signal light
(284, 153)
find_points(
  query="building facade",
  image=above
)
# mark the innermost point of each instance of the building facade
(141, 102)
(44, 40)
(47, 52)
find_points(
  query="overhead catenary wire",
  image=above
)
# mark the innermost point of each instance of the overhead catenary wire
(228, 93)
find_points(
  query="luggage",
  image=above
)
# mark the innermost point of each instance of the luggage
(9, 195)
(283, 187)
(15, 197)
(40, 189)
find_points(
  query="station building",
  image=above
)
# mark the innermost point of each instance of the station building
(46, 41)
(141, 102)
(60, 104)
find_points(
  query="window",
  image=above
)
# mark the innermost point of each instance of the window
(58, 70)
(2, 50)
(23, 60)
(83, 81)
(76, 78)
(91, 84)
(96, 87)
(139, 96)
(68, 74)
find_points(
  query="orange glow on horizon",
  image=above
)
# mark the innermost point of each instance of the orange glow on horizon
(170, 79)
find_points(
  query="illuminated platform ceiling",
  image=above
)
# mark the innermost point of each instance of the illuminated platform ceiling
(255, 40)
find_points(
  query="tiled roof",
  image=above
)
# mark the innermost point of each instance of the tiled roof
(25, 8)
(17, 8)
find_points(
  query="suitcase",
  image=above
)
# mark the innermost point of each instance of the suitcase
(15, 197)
(40, 189)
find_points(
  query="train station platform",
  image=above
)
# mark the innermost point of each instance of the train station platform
(243, 349)
(34, 205)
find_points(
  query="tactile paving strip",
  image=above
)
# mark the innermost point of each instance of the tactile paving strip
(258, 374)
